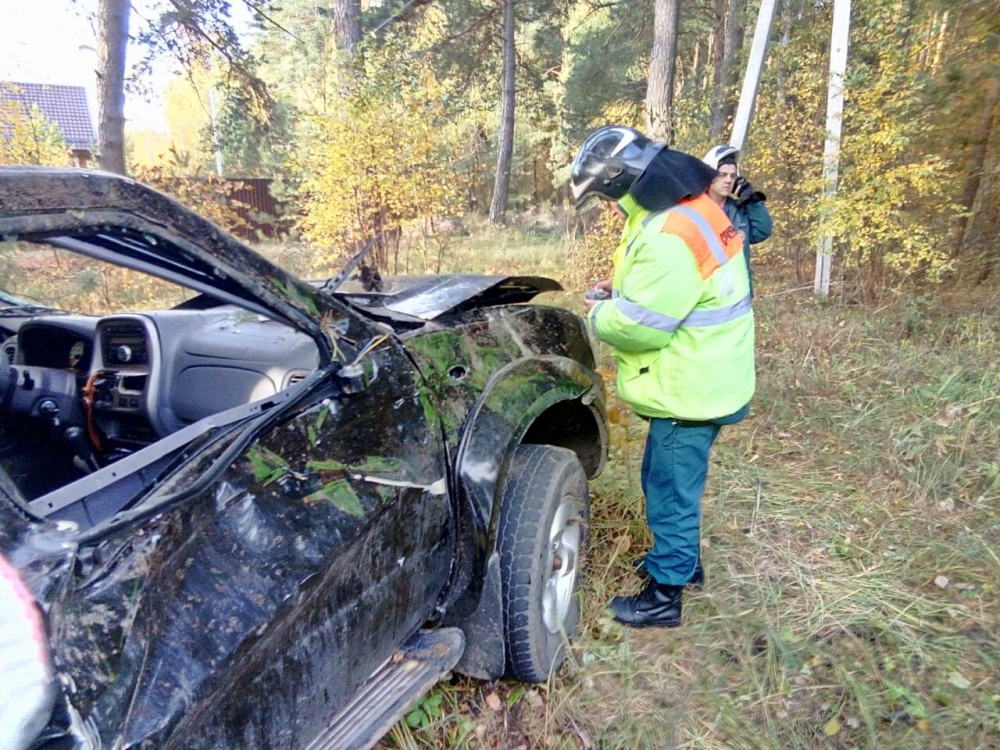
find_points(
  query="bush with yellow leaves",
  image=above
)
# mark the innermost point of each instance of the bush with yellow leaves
(388, 157)
(26, 137)
(205, 193)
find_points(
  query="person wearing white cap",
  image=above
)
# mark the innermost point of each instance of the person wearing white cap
(737, 197)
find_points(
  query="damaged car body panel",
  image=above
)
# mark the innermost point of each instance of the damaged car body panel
(288, 536)
(429, 297)
(524, 374)
(241, 576)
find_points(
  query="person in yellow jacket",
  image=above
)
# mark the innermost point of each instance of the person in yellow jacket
(680, 320)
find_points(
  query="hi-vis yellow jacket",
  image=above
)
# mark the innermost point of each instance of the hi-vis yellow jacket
(680, 317)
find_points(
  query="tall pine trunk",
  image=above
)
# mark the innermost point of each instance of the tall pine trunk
(958, 240)
(347, 24)
(505, 148)
(717, 50)
(662, 69)
(734, 49)
(727, 43)
(112, 42)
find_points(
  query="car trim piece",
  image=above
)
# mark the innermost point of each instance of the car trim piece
(155, 353)
(439, 487)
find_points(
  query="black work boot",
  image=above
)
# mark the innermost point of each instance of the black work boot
(656, 606)
(697, 578)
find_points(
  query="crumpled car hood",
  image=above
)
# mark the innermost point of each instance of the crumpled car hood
(429, 297)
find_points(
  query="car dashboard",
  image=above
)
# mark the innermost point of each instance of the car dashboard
(128, 380)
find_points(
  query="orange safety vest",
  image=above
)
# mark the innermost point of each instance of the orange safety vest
(706, 230)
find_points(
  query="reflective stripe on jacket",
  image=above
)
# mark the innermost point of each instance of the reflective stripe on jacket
(680, 317)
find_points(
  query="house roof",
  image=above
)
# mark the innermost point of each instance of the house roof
(66, 106)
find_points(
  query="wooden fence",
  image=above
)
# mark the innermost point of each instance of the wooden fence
(252, 200)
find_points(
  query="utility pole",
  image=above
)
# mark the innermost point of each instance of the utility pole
(751, 77)
(831, 152)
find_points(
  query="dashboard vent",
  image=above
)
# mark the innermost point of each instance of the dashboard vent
(296, 377)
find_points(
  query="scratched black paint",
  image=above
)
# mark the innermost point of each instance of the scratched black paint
(247, 612)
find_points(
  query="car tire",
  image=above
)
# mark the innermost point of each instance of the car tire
(542, 541)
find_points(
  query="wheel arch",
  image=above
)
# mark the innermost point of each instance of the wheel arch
(570, 424)
(549, 400)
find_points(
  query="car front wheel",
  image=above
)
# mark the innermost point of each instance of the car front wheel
(542, 541)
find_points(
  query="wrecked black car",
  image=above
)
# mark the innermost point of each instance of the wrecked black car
(274, 515)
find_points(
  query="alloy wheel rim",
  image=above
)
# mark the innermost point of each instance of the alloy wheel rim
(562, 563)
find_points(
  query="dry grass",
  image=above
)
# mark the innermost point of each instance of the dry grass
(868, 473)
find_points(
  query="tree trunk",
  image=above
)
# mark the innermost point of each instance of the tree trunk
(926, 42)
(727, 44)
(662, 67)
(505, 148)
(787, 12)
(980, 244)
(718, 52)
(346, 24)
(696, 63)
(939, 48)
(112, 41)
(730, 73)
(974, 169)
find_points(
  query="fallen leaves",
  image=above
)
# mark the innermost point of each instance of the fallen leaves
(832, 727)
(959, 680)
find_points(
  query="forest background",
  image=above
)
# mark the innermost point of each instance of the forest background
(400, 117)
(851, 528)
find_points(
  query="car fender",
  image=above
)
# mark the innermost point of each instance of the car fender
(515, 398)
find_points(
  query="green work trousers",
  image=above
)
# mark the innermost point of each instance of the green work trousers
(674, 469)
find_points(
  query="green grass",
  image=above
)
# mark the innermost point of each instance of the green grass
(868, 472)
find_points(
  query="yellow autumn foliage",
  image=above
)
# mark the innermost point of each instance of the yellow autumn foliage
(890, 215)
(385, 158)
(206, 193)
(27, 138)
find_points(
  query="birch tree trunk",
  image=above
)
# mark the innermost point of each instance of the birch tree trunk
(939, 47)
(505, 147)
(112, 42)
(662, 69)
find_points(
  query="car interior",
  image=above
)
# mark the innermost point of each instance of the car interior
(91, 388)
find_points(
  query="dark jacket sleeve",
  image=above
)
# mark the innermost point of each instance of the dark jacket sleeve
(759, 220)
